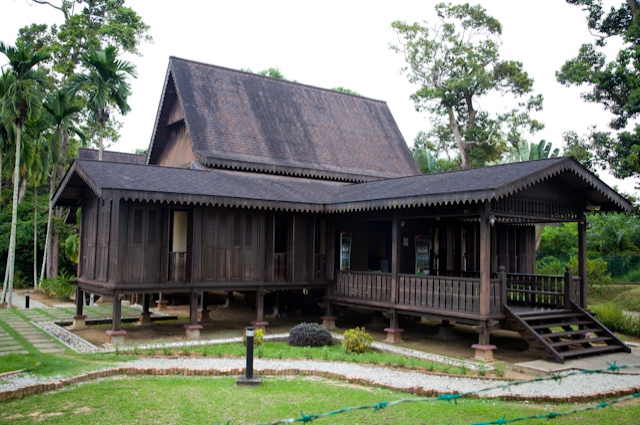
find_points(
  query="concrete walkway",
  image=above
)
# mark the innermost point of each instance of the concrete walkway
(19, 335)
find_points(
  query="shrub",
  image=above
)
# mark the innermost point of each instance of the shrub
(309, 335)
(258, 337)
(59, 288)
(610, 315)
(500, 369)
(356, 340)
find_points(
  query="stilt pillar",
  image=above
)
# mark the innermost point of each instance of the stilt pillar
(394, 332)
(260, 304)
(79, 320)
(484, 348)
(192, 330)
(445, 330)
(204, 314)
(116, 334)
(260, 324)
(329, 322)
(145, 316)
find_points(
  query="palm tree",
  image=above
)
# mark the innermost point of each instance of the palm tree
(21, 102)
(105, 85)
(62, 110)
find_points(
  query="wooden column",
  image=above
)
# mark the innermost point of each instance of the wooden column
(192, 330)
(394, 260)
(582, 262)
(394, 333)
(79, 300)
(485, 260)
(260, 304)
(116, 335)
(117, 312)
(193, 308)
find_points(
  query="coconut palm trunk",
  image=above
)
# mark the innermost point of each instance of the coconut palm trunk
(11, 260)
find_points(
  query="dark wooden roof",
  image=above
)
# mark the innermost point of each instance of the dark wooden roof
(110, 156)
(476, 185)
(191, 186)
(250, 122)
(246, 189)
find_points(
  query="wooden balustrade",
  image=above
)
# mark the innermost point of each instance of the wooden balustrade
(459, 294)
(537, 290)
(371, 286)
(177, 266)
(446, 293)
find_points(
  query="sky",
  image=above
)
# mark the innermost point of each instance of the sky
(338, 43)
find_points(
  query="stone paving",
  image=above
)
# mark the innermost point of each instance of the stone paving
(31, 338)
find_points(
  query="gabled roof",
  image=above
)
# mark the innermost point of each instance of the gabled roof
(244, 121)
(111, 156)
(246, 189)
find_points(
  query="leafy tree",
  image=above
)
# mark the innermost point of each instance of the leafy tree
(346, 90)
(526, 151)
(105, 84)
(21, 102)
(456, 62)
(614, 84)
(62, 111)
(269, 72)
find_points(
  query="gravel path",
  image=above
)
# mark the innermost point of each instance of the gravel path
(582, 384)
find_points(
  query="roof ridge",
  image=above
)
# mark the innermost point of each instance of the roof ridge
(276, 79)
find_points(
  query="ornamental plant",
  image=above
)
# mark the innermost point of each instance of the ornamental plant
(309, 335)
(356, 340)
(258, 337)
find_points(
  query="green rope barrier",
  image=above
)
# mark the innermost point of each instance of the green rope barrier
(448, 397)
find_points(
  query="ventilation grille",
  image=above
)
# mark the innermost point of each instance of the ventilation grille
(137, 226)
(222, 231)
(104, 227)
(237, 230)
(211, 229)
(152, 238)
(248, 232)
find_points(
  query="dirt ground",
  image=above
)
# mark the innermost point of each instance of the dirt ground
(232, 320)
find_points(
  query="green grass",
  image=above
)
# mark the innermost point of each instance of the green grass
(57, 364)
(282, 350)
(626, 297)
(178, 400)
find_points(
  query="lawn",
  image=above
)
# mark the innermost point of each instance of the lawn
(179, 400)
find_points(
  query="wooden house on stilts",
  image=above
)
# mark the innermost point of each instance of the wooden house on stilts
(255, 184)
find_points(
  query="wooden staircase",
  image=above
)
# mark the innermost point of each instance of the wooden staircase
(559, 334)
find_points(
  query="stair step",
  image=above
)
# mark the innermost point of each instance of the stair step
(560, 324)
(592, 350)
(569, 333)
(528, 314)
(553, 316)
(580, 341)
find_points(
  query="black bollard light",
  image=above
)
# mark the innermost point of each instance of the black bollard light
(26, 300)
(248, 379)
(250, 333)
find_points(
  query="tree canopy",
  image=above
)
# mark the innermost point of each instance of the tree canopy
(615, 84)
(456, 62)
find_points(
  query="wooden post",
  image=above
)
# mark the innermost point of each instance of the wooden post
(568, 288)
(145, 302)
(117, 312)
(582, 262)
(145, 316)
(193, 308)
(485, 260)
(116, 335)
(503, 288)
(79, 300)
(394, 260)
(260, 304)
